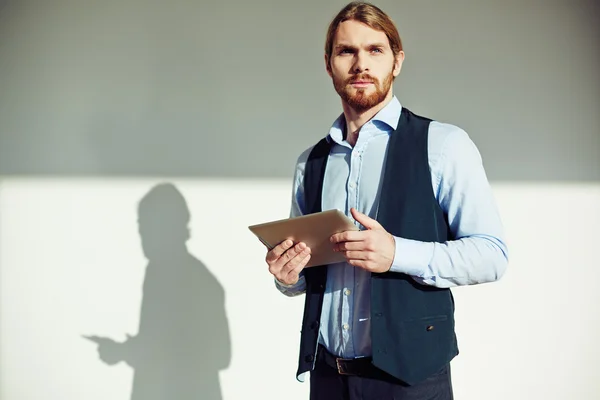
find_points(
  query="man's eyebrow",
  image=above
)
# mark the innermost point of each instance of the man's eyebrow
(341, 46)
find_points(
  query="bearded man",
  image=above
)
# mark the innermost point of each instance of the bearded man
(381, 324)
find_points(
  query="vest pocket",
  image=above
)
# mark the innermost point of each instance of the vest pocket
(427, 333)
(432, 318)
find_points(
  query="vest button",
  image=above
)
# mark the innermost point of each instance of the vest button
(309, 358)
(314, 325)
(429, 328)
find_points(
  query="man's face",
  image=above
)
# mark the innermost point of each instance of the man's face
(362, 65)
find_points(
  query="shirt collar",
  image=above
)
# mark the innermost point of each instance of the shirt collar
(389, 115)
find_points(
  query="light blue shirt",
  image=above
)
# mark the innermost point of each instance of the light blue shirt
(353, 175)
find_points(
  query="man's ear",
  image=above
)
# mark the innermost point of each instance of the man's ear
(398, 60)
(328, 66)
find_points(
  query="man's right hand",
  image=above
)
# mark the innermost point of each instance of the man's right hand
(286, 261)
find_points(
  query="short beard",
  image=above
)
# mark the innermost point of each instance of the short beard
(360, 101)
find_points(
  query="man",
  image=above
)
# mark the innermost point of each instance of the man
(381, 324)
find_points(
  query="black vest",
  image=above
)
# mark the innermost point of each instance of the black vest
(412, 325)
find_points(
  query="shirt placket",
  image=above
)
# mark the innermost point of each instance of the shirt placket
(349, 274)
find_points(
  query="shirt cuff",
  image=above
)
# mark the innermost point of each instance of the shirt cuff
(412, 257)
(293, 285)
(292, 290)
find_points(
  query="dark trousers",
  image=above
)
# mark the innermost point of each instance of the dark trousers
(327, 384)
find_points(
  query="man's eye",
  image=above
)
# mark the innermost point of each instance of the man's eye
(346, 51)
(377, 50)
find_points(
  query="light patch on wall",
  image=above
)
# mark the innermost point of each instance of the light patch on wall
(73, 261)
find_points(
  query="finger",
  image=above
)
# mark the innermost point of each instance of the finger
(290, 254)
(347, 236)
(358, 255)
(346, 246)
(293, 268)
(359, 263)
(303, 263)
(365, 220)
(278, 250)
(295, 261)
(287, 262)
(293, 275)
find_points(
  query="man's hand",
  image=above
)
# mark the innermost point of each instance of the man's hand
(372, 249)
(286, 262)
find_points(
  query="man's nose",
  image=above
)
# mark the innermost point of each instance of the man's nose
(360, 63)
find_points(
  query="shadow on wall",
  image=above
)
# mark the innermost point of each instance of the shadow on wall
(183, 340)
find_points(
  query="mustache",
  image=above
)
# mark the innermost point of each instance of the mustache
(362, 77)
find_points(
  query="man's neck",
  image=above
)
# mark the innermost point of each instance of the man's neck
(355, 120)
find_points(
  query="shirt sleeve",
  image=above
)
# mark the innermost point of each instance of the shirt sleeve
(296, 210)
(477, 253)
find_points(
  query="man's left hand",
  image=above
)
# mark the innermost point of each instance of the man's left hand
(372, 249)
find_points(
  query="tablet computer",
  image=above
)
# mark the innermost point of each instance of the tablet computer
(312, 229)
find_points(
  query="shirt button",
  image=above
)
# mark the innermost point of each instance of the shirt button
(351, 185)
(347, 292)
(346, 327)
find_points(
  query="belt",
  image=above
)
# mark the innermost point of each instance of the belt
(350, 366)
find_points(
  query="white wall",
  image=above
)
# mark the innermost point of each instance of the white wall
(71, 264)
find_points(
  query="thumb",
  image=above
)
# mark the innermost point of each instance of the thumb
(365, 220)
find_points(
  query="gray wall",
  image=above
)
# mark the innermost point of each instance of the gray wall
(238, 88)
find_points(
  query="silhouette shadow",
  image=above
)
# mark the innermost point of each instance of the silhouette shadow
(183, 340)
